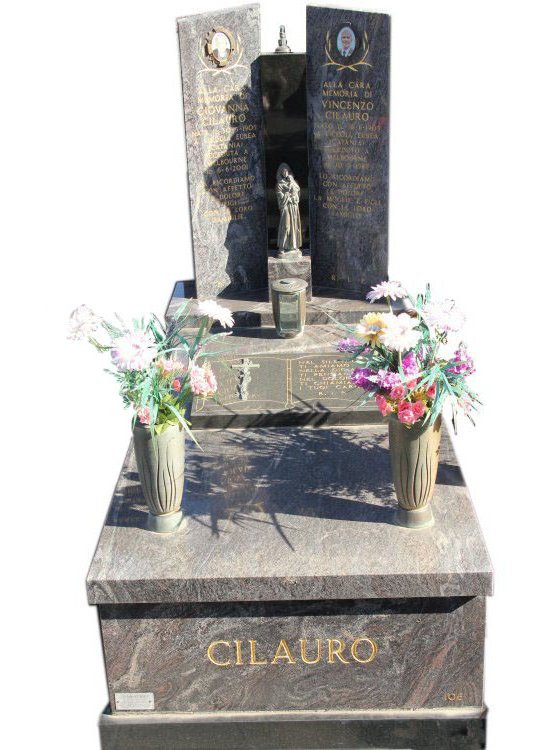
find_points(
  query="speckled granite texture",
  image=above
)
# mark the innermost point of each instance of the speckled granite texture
(225, 153)
(290, 514)
(425, 649)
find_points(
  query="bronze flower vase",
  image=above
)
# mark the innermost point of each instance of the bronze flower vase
(160, 462)
(414, 454)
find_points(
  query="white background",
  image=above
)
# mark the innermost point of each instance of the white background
(95, 210)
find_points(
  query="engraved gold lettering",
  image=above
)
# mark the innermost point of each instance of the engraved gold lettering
(334, 651)
(354, 650)
(253, 654)
(286, 655)
(239, 659)
(453, 697)
(211, 656)
(303, 654)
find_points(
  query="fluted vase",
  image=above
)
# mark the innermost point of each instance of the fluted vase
(160, 462)
(414, 454)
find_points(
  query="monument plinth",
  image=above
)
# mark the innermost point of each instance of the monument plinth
(288, 592)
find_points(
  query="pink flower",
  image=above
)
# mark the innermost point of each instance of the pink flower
(387, 379)
(383, 405)
(406, 413)
(411, 384)
(419, 409)
(410, 365)
(133, 351)
(397, 393)
(144, 415)
(463, 363)
(431, 391)
(176, 385)
(211, 381)
(203, 381)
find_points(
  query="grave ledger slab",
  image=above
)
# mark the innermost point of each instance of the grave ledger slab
(219, 56)
(289, 592)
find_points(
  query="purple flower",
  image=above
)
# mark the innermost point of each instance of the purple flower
(348, 345)
(362, 377)
(387, 379)
(463, 363)
(410, 365)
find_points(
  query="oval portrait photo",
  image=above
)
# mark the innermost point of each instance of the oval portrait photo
(346, 41)
(221, 46)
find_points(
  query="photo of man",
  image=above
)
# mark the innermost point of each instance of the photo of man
(346, 41)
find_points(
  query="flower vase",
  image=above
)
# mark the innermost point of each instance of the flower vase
(160, 462)
(414, 454)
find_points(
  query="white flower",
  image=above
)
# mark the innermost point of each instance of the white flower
(209, 308)
(82, 323)
(400, 334)
(135, 350)
(392, 289)
(444, 316)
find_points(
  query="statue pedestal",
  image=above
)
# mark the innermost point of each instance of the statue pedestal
(292, 265)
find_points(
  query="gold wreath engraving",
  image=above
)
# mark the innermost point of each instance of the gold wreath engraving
(345, 66)
(225, 67)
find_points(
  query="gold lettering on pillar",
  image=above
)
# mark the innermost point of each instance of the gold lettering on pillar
(286, 655)
(211, 656)
(303, 644)
(334, 650)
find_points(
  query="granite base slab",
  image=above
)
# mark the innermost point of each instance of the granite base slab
(322, 730)
(296, 268)
(253, 309)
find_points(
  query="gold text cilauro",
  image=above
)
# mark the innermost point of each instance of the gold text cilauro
(361, 650)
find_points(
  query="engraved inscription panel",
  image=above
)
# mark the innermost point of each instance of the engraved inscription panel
(280, 383)
(348, 655)
(223, 120)
(348, 132)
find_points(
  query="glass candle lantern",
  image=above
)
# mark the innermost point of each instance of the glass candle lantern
(289, 306)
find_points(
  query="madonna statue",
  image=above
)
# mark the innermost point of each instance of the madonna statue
(290, 226)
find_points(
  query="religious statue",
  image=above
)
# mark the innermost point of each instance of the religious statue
(290, 226)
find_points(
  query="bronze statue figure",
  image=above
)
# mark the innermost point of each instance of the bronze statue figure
(290, 226)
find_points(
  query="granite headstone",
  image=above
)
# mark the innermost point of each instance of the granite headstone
(219, 56)
(348, 59)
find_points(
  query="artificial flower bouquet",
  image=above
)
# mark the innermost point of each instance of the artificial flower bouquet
(156, 367)
(405, 361)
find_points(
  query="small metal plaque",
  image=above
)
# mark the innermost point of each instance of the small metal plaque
(134, 701)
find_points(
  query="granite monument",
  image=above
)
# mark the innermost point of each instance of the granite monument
(219, 55)
(348, 60)
(288, 610)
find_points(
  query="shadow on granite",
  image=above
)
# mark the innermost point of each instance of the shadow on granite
(283, 474)
(318, 608)
(287, 476)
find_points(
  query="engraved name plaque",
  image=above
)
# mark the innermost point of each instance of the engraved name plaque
(219, 56)
(348, 59)
(134, 701)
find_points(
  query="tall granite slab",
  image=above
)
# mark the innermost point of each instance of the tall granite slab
(219, 56)
(348, 66)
